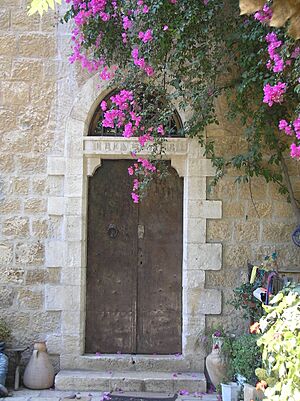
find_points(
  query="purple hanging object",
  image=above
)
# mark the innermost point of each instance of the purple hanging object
(269, 286)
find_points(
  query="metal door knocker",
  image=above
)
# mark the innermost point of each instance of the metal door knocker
(112, 231)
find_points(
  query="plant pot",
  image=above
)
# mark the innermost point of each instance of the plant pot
(230, 391)
(215, 364)
(39, 373)
(250, 393)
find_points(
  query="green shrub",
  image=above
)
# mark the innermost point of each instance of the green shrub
(280, 344)
(245, 357)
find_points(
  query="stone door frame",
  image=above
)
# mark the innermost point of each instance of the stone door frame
(82, 157)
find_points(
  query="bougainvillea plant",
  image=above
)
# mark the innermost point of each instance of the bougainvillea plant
(280, 344)
(167, 53)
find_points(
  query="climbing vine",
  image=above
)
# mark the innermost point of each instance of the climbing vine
(167, 53)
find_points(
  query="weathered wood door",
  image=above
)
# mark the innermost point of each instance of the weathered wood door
(134, 259)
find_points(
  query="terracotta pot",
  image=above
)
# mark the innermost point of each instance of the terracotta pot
(215, 363)
(39, 373)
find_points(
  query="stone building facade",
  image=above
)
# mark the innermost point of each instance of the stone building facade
(45, 158)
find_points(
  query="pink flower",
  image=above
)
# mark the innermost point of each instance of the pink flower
(160, 130)
(146, 36)
(295, 151)
(296, 52)
(130, 170)
(282, 124)
(128, 131)
(104, 74)
(165, 28)
(145, 9)
(104, 16)
(149, 71)
(136, 184)
(135, 53)
(103, 105)
(145, 138)
(264, 15)
(296, 124)
(124, 37)
(127, 23)
(135, 197)
(274, 94)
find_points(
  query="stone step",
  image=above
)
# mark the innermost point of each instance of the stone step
(85, 380)
(127, 362)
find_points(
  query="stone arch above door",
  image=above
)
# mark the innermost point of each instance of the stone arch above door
(82, 156)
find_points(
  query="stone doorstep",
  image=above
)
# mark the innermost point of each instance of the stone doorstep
(127, 362)
(83, 380)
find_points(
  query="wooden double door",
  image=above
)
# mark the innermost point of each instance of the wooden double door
(134, 263)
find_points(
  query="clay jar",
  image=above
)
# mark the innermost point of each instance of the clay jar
(215, 362)
(39, 373)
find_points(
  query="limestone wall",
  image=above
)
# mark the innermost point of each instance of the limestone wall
(28, 54)
(38, 88)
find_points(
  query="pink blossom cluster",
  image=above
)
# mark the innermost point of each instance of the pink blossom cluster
(292, 129)
(140, 62)
(275, 62)
(264, 15)
(141, 167)
(274, 94)
(295, 151)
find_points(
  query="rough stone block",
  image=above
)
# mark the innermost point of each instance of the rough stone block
(37, 45)
(6, 253)
(16, 226)
(55, 252)
(219, 230)
(4, 19)
(34, 205)
(26, 70)
(30, 253)
(211, 302)
(247, 231)
(8, 44)
(29, 299)
(16, 93)
(39, 228)
(56, 205)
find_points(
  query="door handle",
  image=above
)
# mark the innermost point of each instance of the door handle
(141, 231)
(112, 231)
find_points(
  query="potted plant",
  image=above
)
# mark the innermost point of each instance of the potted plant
(217, 341)
(4, 335)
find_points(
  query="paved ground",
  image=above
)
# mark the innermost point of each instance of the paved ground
(53, 395)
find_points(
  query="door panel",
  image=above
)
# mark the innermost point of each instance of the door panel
(133, 264)
(159, 270)
(111, 261)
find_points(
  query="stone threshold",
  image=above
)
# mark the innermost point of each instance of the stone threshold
(128, 362)
(84, 380)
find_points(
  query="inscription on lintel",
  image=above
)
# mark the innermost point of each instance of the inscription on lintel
(126, 146)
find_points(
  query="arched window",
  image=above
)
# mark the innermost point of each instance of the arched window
(174, 127)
